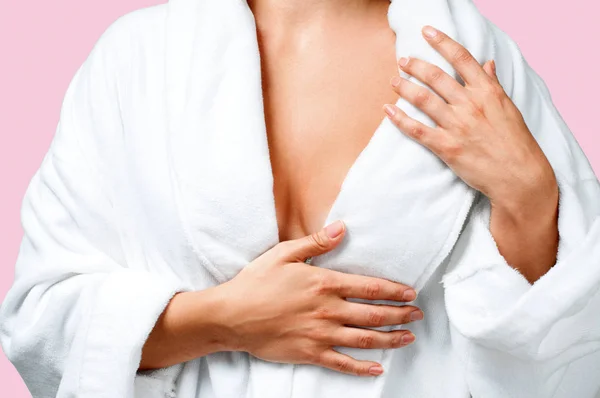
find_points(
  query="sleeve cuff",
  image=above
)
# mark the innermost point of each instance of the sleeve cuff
(127, 306)
(490, 301)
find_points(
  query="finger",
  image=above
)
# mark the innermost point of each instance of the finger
(375, 315)
(435, 77)
(314, 244)
(425, 135)
(346, 364)
(458, 56)
(369, 288)
(490, 69)
(371, 339)
(423, 98)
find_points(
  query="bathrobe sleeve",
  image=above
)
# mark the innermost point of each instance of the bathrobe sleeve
(76, 317)
(517, 339)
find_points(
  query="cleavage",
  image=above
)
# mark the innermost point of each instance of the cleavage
(321, 113)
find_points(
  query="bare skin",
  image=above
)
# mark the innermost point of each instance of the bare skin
(310, 65)
(325, 78)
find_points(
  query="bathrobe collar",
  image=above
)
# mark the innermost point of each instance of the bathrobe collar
(233, 20)
(220, 165)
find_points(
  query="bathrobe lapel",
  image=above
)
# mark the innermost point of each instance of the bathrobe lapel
(403, 207)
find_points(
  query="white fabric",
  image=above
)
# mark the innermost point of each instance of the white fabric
(158, 180)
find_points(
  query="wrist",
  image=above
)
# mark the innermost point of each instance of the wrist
(192, 319)
(528, 203)
(190, 327)
(224, 312)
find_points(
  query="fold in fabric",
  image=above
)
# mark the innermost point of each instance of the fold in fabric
(540, 340)
(80, 309)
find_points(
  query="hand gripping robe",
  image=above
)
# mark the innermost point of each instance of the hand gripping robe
(158, 180)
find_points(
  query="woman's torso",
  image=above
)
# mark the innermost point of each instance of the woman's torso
(195, 202)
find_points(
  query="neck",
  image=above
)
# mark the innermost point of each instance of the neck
(295, 15)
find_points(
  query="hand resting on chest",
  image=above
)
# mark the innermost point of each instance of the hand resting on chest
(281, 309)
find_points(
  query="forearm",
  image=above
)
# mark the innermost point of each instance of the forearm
(526, 231)
(187, 329)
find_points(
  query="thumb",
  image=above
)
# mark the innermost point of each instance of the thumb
(490, 69)
(316, 243)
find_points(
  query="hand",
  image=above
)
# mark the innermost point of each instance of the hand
(280, 309)
(480, 134)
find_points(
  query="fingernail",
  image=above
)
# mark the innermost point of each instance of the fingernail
(408, 338)
(416, 315)
(395, 81)
(334, 229)
(429, 32)
(493, 66)
(403, 61)
(409, 295)
(375, 370)
(389, 109)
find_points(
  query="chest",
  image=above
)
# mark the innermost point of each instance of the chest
(322, 108)
(247, 162)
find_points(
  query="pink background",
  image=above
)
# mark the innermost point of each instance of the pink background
(42, 46)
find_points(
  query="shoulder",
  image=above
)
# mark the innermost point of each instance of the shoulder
(139, 24)
(134, 35)
(106, 86)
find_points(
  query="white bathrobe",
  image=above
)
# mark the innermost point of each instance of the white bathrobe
(158, 180)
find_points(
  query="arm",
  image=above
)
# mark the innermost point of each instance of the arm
(77, 313)
(517, 338)
(178, 337)
(527, 233)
